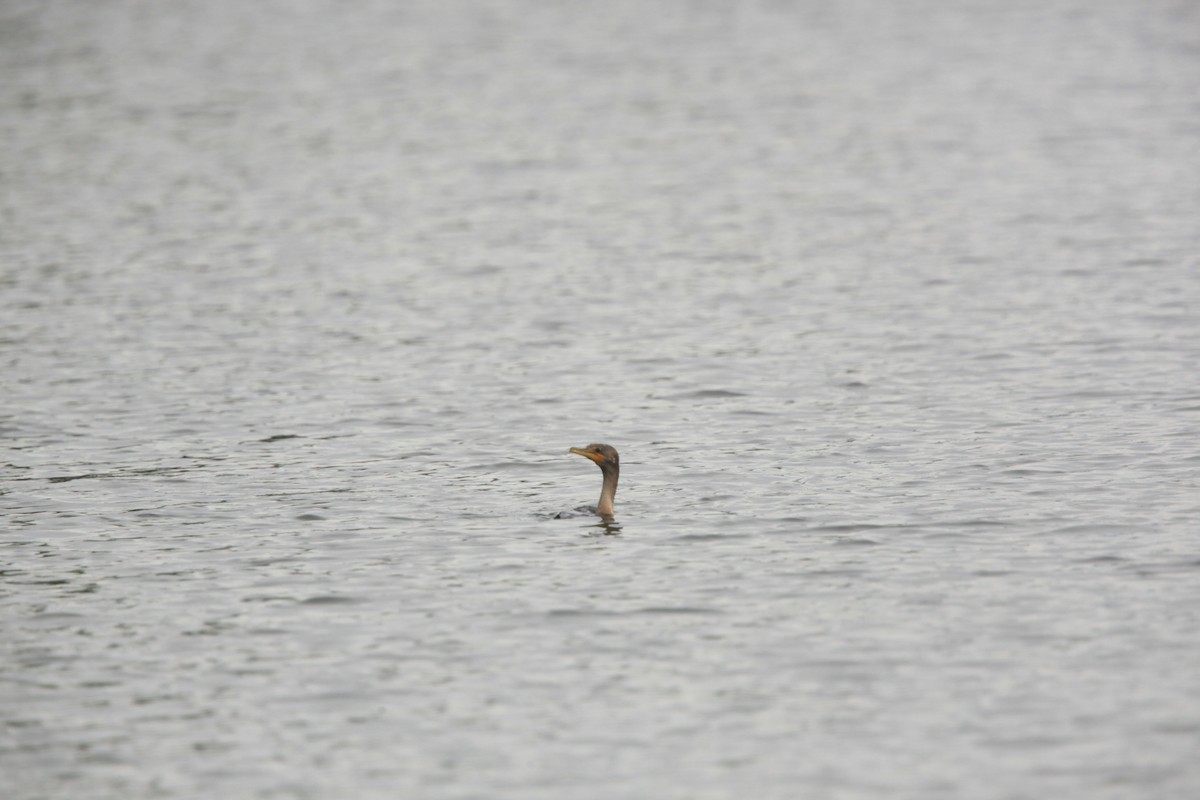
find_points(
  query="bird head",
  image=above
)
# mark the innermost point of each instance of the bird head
(604, 455)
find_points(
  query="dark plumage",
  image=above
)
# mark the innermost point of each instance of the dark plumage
(609, 462)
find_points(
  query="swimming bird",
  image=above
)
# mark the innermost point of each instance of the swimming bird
(605, 456)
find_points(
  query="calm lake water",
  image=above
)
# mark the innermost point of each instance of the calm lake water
(892, 309)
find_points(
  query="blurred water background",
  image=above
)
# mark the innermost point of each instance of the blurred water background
(891, 309)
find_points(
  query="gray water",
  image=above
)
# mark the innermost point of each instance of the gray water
(891, 309)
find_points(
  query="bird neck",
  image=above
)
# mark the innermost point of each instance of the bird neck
(608, 493)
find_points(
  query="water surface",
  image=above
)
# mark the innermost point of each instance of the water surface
(890, 309)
